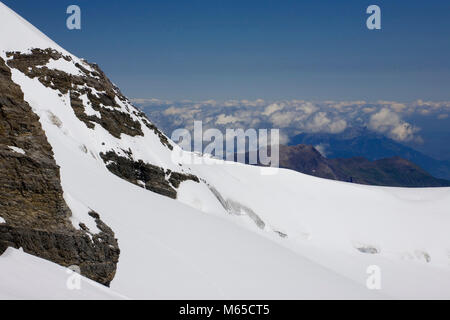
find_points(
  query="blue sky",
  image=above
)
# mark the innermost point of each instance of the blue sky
(212, 49)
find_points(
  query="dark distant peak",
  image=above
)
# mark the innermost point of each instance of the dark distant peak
(300, 147)
(357, 132)
(303, 150)
(354, 160)
(394, 171)
(395, 159)
(398, 161)
(362, 142)
(353, 132)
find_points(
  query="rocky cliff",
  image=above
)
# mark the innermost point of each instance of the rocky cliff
(36, 215)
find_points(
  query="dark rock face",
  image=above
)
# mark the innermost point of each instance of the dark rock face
(146, 175)
(31, 193)
(306, 159)
(95, 254)
(393, 172)
(31, 197)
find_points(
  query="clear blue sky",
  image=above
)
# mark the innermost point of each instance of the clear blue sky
(213, 49)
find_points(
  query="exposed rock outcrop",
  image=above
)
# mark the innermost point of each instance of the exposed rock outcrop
(95, 254)
(148, 176)
(31, 197)
(102, 95)
(32, 204)
(105, 99)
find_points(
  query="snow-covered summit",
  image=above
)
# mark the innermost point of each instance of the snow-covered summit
(17, 34)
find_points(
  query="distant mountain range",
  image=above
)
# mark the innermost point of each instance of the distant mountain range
(361, 142)
(394, 172)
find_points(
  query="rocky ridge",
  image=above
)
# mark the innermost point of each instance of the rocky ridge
(36, 215)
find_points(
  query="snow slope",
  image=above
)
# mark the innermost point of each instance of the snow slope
(347, 227)
(317, 240)
(26, 277)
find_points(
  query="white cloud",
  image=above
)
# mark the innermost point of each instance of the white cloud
(369, 109)
(398, 107)
(384, 120)
(388, 122)
(322, 123)
(322, 149)
(256, 103)
(424, 111)
(173, 111)
(429, 104)
(231, 103)
(403, 132)
(293, 116)
(284, 139)
(318, 123)
(307, 107)
(274, 107)
(150, 101)
(224, 119)
(337, 126)
(282, 119)
(344, 106)
(207, 103)
(395, 106)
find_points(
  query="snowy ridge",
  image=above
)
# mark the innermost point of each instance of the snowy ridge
(285, 235)
(24, 36)
(17, 34)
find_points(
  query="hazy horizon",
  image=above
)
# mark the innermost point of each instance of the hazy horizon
(248, 50)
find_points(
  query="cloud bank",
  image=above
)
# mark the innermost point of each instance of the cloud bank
(389, 118)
